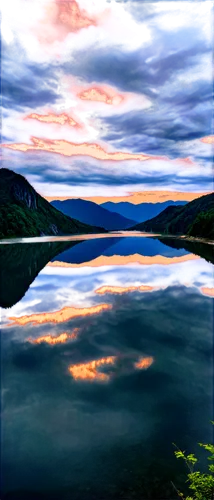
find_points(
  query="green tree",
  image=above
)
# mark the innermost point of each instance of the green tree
(203, 225)
(201, 484)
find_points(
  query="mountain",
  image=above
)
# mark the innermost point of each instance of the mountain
(91, 213)
(141, 212)
(195, 219)
(23, 212)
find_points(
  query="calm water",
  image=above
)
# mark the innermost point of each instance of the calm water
(107, 358)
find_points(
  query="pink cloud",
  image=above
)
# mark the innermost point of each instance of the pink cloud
(61, 18)
(208, 140)
(67, 148)
(66, 20)
(57, 122)
(101, 97)
(61, 124)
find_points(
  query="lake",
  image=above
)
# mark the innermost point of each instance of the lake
(107, 359)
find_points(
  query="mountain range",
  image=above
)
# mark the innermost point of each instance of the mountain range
(23, 212)
(91, 213)
(141, 212)
(194, 219)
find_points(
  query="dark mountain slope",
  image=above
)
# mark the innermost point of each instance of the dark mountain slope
(196, 219)
(141, 212)
(21, 263)
(91, 213)
(204, 250)
(23, 212)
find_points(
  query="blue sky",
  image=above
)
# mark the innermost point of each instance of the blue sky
(117, 96)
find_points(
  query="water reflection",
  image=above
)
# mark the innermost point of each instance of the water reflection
(21, 263)
(89, 371)
(104, 367)
(60, 339)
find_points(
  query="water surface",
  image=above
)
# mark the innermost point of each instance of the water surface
(107, 358)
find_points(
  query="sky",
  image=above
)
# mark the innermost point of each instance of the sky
(108, 100)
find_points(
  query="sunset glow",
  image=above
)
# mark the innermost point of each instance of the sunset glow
(100, 94)
(89, 371)
(61, 339)
(61, 315)
(144, 363)
(207, 290)
(62, 119)
(208, 140)
(129, 260)
(121, 289)
(141, 197)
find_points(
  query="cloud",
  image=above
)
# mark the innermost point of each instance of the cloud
(84, 112)
(99, 181)
(53, 340)
(54, 30)
(101, 151)
(128, 67)
(178, 116)
(90, 371)
(144, 363)
(102, 97)
(70, 149)
(133, 53)
(61, 316)
(208, 291)
(117, 260)
(141, 197)
(120, 290)
(24, 84)
(169, 71)
(208, 140)
(55, 121)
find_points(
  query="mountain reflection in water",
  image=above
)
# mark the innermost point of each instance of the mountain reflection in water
(106, 360)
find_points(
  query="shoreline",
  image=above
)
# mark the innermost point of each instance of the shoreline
(112, 234)
(185, 237)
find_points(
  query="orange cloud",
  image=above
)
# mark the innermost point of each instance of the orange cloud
(61, 339)
(89, 371)
(208, 140)
(137, 197)
(144, 363)
(117, 260)
(61, 316)
(58, 123)
(207, 291)
(140, 197)
(55, 123)
(71, 148)
(121, 289)
(47, 115)
(101, 96)
(99, 151)
(70, 17)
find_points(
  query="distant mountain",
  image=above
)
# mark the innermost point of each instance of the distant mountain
(23, 212)
(91, 213)
(195, 219)
(141, 212)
